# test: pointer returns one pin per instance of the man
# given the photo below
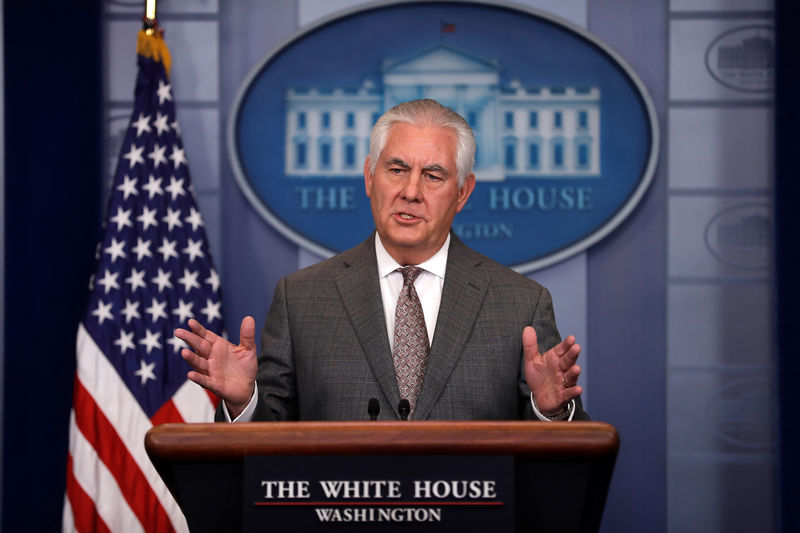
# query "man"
(411, 314)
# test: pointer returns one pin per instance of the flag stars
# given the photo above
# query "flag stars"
(194, 219)
(142, 125)
(153, 187)
(115, 249)
(175, 187)
(164, 92)
(136, 279)
(189, 280)
(147, 218)
(122, 219)
(184, 311)
(162, 280)
(131, 310)
(125, 342)
(167, 249)
(134, 155)
(177, 156)
(145, 371)
(109, 281)
(213, 280)
(176, 344)
(156, 310)
(151, 340)
(211, 310)
(128, 186)
(103, 311)
(161, 123)
(193, 249)
(172, 218)
(157, 155)
(142, 249)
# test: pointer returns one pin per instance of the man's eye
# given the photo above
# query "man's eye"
(396, 170)
(434, 177)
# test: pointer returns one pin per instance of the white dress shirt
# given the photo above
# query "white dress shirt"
(428, 284)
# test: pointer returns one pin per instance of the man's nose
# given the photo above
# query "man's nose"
(412, 189)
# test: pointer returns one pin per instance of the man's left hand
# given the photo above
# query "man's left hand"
(552, 376)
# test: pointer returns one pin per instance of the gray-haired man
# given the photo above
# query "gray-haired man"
(409, 315)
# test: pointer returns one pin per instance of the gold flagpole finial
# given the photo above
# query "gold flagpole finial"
(150, 40)
(150, 24)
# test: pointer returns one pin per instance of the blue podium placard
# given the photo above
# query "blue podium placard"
(379, 492)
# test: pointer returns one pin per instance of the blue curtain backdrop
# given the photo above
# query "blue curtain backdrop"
(53, 98)
(787, 286)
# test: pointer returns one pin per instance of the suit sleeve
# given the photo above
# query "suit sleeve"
(276, 378)
(544, 322)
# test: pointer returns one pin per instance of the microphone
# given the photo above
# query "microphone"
(404, 408)
(373, 408)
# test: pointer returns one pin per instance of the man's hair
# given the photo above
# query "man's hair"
(422, 113)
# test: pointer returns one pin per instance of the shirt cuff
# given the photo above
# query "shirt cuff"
(247, 414)
(544, 418)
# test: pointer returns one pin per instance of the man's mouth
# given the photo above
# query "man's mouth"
(407, 216)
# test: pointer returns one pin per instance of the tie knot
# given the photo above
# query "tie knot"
(410, 274)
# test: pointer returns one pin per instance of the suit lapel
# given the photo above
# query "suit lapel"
(462, 297)
(360, 292)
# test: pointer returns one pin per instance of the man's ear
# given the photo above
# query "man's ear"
(464, 191)
(367, 177)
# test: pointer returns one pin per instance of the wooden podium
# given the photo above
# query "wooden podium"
(562, 470)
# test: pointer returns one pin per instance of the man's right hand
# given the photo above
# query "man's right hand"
(227, 370)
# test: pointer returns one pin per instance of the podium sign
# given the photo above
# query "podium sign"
(561, 472)
(393, 493)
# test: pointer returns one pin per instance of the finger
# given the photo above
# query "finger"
(530, 343)
(563, 347)
(247, 334)
(195, 342)
(201, 331)
(196, 327)
(571, 393)
(570, 377)
(567, 360)
(200, 364)
(201, 379)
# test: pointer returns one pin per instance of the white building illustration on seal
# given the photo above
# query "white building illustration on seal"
(521, 132)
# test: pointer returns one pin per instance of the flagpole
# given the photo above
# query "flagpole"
(150, 24)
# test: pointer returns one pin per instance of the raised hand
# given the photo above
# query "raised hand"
(226, 369)
(552, 376)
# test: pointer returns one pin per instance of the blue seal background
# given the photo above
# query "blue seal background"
(535, 50)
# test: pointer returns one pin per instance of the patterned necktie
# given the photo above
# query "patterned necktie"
(410, 338)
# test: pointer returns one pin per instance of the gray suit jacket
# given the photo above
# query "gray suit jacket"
(325, 349)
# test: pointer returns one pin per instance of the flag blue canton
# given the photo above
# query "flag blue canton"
(154, 268)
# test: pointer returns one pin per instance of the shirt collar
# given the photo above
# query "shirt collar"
(436, 264)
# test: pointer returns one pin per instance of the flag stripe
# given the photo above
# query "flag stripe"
(110, 449)
(214, 399)
(86, 517)
(67, 520)
(128, 420)
(167, 413)
(95, 480)
(193, 404)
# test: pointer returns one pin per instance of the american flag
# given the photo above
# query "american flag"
(153, 273)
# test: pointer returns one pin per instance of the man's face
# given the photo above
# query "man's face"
(414, 191)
